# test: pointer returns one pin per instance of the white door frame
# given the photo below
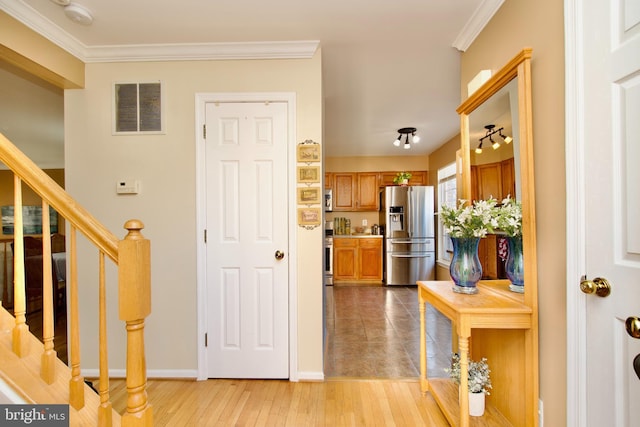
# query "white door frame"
(575, 216)
(201, 291)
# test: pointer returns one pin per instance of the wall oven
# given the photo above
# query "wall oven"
(328, 253)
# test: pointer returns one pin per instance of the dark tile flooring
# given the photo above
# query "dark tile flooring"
(374, 331)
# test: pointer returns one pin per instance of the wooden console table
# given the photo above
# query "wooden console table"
(501, 324)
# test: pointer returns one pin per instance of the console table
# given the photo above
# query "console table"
(494, 323)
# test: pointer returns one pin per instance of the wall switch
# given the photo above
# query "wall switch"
(364, 223)
(128, 186)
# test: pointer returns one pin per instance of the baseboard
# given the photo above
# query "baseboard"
(310, 376)
(151, 373)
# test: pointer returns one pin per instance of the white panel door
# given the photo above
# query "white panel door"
(247, 284)
(612, 158)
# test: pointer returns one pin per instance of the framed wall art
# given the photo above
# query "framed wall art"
(309, 195)
(309, 216)
(308, 174)
(309, 152)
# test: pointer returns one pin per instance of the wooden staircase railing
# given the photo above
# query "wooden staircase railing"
(132, 257)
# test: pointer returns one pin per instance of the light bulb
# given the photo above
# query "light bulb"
(397, 142)
(495, 145)
(479, 150)
(407, 145)
(415, 139)
(508, 139)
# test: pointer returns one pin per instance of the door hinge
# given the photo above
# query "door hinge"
(206, 340)
(204, 131)
(205, 235)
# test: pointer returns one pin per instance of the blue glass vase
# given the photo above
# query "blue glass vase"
(465, 267)
(514, 266)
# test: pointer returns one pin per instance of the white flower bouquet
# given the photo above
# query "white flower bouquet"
(509, 217)
(478, 378)
(476, 220)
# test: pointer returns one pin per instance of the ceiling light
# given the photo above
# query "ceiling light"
(489, 134)
(406, 132)
(78, 14)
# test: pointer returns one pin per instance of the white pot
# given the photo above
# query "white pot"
(476, 404)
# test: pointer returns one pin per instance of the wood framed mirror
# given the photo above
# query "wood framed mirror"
(501, 108)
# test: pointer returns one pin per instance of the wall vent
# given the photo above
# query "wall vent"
(138, 108)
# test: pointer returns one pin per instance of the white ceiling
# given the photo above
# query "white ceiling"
(386, 64)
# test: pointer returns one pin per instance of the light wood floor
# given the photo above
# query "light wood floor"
(344, 402)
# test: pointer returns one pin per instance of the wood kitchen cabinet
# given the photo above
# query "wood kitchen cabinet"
(353, 191)
(328, 180)
(495, 180)
(345, 254)
(357, 259)
(417, 178)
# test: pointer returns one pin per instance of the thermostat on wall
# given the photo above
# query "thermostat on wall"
(128, 186)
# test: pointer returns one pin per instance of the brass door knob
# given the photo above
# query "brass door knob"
(597, 286)
(279, 255)
(633, 326)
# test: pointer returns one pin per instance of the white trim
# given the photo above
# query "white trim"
(474, 26)
(575, 216)
(311, 376)
(302, 49)
(151, 373)
(200, 101)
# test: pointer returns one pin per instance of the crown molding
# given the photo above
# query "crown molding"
(203, 51)
(476, 23)
(156, 52)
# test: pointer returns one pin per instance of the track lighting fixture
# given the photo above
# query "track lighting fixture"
(406, 131)
(489, 134)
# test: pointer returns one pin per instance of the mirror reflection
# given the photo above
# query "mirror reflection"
(495, 165)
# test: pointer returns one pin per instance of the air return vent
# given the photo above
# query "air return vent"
(138, 108)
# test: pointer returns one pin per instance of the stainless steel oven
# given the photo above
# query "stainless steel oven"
(328, 260)
(328, 253)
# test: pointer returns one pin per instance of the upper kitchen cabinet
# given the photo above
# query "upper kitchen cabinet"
(355, 191)
(328, 180)
(417, 178)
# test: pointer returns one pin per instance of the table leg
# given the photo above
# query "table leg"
(424, 384)
(463, 348)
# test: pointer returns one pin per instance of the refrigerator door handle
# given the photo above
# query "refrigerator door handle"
(411, 256)
(394, 241)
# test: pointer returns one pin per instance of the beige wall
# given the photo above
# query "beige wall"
(539, 25)
(374, 164)
(165, 166)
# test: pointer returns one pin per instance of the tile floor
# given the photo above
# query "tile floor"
(373, 332)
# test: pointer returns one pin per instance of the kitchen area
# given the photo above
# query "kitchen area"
(378, 232)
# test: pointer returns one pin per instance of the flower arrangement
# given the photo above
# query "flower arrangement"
(509, 217)
(475, 220)
(478, 378)
(401, 176)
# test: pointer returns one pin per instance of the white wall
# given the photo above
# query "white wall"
(165, 165)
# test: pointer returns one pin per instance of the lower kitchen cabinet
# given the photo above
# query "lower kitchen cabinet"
(357, 259)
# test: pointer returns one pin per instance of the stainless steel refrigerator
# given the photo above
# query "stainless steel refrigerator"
(407, 213)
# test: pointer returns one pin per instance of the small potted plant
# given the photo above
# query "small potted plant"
(402, 178)
(479, 382)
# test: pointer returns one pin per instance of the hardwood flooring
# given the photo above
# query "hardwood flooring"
(283, 403)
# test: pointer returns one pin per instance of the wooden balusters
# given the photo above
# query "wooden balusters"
(49, 356)
(76, 383)
(134, 297)
(105, 412)
(20, 330)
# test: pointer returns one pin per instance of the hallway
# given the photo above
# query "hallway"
(373, 332)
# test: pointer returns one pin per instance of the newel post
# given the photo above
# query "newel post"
(134, 295)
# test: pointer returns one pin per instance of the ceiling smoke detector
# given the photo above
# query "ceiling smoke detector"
(78, 14)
